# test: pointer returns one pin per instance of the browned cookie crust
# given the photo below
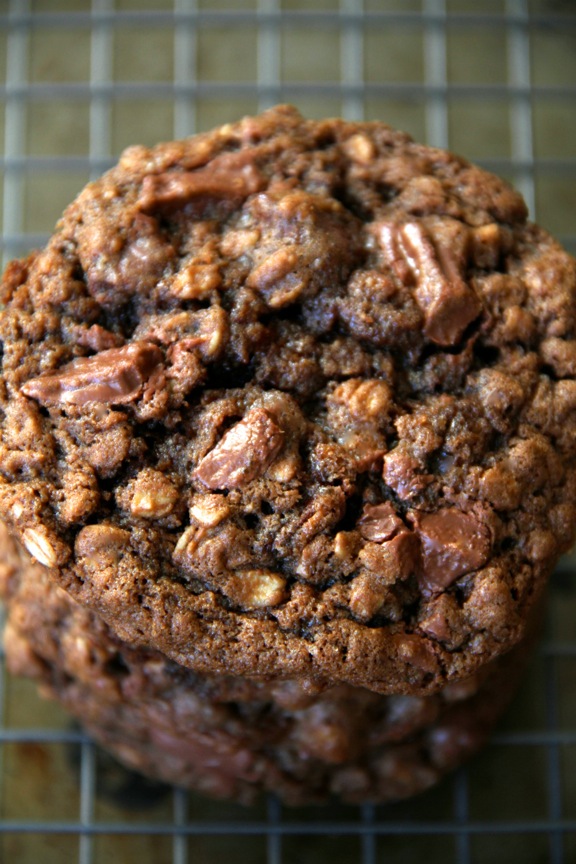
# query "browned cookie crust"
(295, 398)
(233, 737)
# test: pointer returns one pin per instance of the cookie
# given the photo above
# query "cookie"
(231, 737)
(295, 399)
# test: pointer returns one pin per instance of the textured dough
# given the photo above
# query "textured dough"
(295, 399)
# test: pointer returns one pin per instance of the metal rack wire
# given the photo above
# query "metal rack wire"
(496, 80)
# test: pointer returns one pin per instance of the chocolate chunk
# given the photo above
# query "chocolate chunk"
(243, 454)
(379, 522)
(448, 303)
(453, 543)
(226, 181)
(111, 377)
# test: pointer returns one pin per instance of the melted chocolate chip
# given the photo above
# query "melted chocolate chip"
(114, 376)
(448, 303)
(453, 543)
(243, 454)
(226, 181)
(379, 522)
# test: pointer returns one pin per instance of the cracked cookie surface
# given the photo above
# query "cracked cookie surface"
(295, 399)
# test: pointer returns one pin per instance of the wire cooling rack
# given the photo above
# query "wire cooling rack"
(494, 80)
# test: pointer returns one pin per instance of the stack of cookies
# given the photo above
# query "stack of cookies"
(287, 456)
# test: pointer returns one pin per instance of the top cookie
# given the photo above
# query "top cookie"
(295, 398)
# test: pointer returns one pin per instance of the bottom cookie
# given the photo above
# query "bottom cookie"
(234, 738)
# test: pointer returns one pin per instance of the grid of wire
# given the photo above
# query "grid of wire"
(82, 80)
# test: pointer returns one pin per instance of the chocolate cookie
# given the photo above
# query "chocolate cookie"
(295, 399)
(233, 737)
